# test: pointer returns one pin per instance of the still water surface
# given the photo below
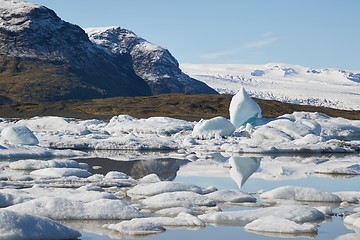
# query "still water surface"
(251, 173)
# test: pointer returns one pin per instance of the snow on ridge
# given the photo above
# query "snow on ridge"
(13, 14)
(297, 84)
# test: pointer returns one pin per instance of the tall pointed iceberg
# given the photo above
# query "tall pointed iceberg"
(243, 109)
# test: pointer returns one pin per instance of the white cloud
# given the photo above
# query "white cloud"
(267, 38)
(261, 43)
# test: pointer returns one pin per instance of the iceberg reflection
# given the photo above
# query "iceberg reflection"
(242, 168)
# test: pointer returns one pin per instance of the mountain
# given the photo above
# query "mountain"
(55, 60)
(288, 83)
(43, 58)
(151, 62)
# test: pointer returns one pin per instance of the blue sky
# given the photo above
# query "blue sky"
(312, 33)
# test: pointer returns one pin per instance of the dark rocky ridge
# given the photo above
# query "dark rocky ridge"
(43, 58)
(151, 62)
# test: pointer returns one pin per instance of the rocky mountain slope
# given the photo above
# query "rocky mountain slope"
(151, 62)
(43, 58)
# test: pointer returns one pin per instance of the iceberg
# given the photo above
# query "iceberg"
(163, 187)
(22, 226)
(300, 194)
(21, 135)
(178, 199)
(212, 127)
(64, 209)
(231, 196)
(296, 213)
(279, 225)
(243, 109)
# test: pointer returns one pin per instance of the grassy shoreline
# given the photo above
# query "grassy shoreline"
(188, 107)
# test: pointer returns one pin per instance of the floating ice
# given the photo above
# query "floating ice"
(154, 125)
(162, 187)
(21, 226)
(231, 196)
(141, 226)
(300, 194)
(9, 197)
(136, 226)
(279, 225)
(295, 213)
(61, 172)
(19, 135)
(178, 199)
(60, 208)
(32, 164)
(353, 169)
(353, 219)
(55, 125)
(216, 126)
(243, 109)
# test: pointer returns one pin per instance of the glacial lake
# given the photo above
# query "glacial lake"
(249, 173)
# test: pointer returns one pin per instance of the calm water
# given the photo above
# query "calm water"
(181, 170)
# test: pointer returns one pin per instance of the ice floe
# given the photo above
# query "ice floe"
(218, 126)
(163, 187)
(299, 194)
(231, 196)
(296, 213)
(18, 226)
(151, 225)
(178, 199)
(19, 135)
(279, 225)
(60, 208)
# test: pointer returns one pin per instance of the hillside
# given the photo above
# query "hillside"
(189, 107)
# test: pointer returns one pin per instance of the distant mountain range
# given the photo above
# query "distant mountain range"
(43, 58)
(283, 82)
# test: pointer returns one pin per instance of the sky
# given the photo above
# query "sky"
(312, 33)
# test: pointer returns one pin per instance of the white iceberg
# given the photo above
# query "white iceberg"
(279, 225)
(178, 199)
(22, 226)
(296, 213)
(300, 194)
(218, 126)
(231, 196)
(243, 109)
(19, 134)
(64, 209)
(163, 187)
(136, 226)
(61, 172)
(141, 226)
(10, 197)
(55, 125)
(154, 125)
(353, 219)
(33, 164)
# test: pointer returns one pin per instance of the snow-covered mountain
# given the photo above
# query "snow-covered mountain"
(151, 62)
(57, 60)
(283, 82)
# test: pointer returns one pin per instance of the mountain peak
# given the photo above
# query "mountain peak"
(17, 15)
(155, 64)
